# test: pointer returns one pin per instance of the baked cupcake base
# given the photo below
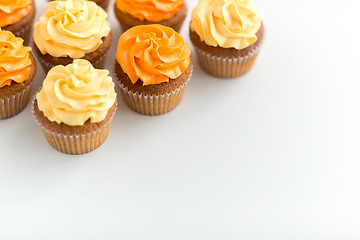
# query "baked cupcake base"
(74, 139)
(96, 58)
(127, 21)
(226, 62)
(153, 99)
(14, 98)
(23, 27)
(103, 3)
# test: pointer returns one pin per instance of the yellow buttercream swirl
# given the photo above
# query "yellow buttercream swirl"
(11, 11)
(151, 10)
(14, 59)
(153, 53)
(71, 28)
(77, 92)
(226, 23)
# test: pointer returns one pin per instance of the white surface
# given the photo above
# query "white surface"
(271, 155)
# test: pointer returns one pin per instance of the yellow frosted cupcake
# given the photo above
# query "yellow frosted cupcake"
(17, 71)
(130, 13)
(75, 107)
(102, 3)
(153, 67)
(227, 35)
(69, 30)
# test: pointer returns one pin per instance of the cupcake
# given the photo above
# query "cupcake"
(75, 107)
(227, 36)
(153, 67)
(17, 17)
(70, 30)
(17, 71)
(102, 3)
(131, 13)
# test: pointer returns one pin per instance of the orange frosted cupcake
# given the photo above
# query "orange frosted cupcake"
(227, 36)
(71, 30)
(153, 67)
(75, 107)
(17, 17)
(17, 71)
(131, 13)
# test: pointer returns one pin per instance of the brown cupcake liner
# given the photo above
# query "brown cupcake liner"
(99, 64)
(154, 104)
(227, 67)
(75, 143)
(14, 104)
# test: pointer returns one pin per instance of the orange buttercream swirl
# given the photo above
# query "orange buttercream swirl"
(14, 59)
(152, 53)
(151, 10)
(11, 11)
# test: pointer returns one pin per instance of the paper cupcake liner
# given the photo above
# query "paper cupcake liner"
(227, 67)
(75, 143)
(152, 104)
(99, 64)
(14, 104)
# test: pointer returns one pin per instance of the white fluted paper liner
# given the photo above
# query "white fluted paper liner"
(226, 67)
(75, 143)
(152, 104)
(14, 104)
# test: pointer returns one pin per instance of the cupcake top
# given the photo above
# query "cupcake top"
(71, 28)
(14, 59)
(151, 10)
(226, 23)
(152, 53)
(11, 11)
(75, 93)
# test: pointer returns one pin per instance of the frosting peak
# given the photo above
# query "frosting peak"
(226, 23)
(71, 28)
(14, 59)
(11, 11)
(151, 10)
(152, 53)
(75, 93)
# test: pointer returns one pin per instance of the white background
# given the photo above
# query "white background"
(271, 155)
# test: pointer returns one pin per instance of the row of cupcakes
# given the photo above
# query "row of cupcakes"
(227, 34)
(153, 65)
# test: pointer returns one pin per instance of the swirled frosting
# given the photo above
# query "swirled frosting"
(153, 53)
(226, 23)
(77, 92)
(151, 10)
(71, 28)
(14, 59)
(11, 11)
